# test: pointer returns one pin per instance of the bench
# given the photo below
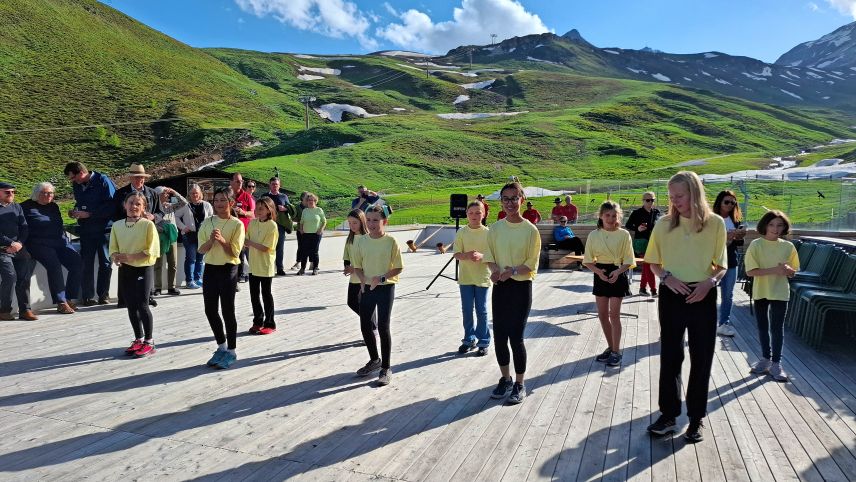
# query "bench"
(562, 258)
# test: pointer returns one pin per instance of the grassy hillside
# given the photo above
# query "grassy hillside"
(70, 63)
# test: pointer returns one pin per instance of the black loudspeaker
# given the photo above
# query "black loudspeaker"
(458, 205)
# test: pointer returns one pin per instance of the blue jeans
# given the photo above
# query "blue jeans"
(475, 297)
(54, 258)
(280, 247)
(727, 287)
(92, 245)
(193, 264)
(770, 315)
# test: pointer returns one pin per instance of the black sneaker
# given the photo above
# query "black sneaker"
(370, 367)
(603, 357)
(103, 300)
(156, 293)
(502, 389)
(152, 302)
(614, 359)
(663, 425)
(174, 291)
(482, 351)
(89, 302)
(518, 393)
(695, 431)
(643, 292)
(466, 347)
(384, 377)
(280, 272)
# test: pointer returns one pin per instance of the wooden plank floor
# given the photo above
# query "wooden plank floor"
(73, 407)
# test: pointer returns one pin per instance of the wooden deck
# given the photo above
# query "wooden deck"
(73, 407)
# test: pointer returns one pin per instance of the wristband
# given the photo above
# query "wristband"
(514, 271)
(383, 279)
(665, 276)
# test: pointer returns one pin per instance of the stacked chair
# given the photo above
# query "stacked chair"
(826, 285)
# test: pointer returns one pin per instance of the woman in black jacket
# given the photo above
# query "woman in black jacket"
(640, 224)
(727, 208)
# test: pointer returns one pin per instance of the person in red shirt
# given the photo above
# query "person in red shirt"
(531, 214)
(558, 211)
(245, 206)
(501, 215)
(570, 211)
(486, 206)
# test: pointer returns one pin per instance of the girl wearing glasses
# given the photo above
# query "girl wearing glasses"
(513, 250)
(727, 208)
(640, 223)
(687, 252)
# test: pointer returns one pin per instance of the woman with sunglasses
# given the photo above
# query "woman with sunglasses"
(514, 247)
(640, 223)
(727, 208)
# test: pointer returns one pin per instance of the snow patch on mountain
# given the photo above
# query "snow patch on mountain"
(721, 81)
(479, 85)
(661, 77)
(479, 115)
(333, 112)
(791, 94)
(753, 77)
(461, 98)
(636, 71)
(710, 55)
(318, 70)
(309, 77)
(613, 52)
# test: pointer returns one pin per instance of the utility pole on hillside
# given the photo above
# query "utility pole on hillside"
(305, 100)
(471, 59)
(493, 39)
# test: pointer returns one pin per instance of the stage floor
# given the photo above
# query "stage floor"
(73, 407)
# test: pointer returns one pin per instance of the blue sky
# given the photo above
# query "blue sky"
(763, 29)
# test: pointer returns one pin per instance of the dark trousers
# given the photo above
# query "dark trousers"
(244, 265)
(280, 247)
(574, 244)
(54, 258)
(379, 299)
(354, 302)
(770, 315)
(218, 293)
(92, 245)
(698, 320)
(15, 274)
(298, 252)
(311, 242)
(260, 285)
(511, 301)
(136, 283)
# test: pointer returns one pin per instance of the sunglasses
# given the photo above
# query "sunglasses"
(729, 202)
(649, 200)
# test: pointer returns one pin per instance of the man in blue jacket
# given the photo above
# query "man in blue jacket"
(16, 265)
(93, 210)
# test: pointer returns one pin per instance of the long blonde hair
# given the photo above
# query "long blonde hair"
(699, 209)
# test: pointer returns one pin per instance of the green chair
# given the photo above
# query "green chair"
(819, 304)
(843, 279)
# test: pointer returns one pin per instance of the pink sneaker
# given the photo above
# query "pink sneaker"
(267, 331)
(135, 345)
(145, 350)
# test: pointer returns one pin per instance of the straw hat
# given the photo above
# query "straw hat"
(138, 170)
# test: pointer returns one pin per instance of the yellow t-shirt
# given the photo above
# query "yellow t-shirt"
(263, 264)
(142, 236)
(232, 230)
(763, 254)
(311, 219)
(473, 273)
(376, 256)
(348, 256)
(689, 255)
(609, 247)
(514, 244)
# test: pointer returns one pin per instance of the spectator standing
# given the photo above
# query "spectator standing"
(312, 223)
(558, 211)
(48, 244)
(486, 207)
(94, 211)
(16, 264)
(727, 208)
(245, 207)
(172, 218)
(640, 224)
(284, 212)
(199, 211)
(570, 210)
(531, 214)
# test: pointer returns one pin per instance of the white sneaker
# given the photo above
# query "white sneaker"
(761, 366)
(726, 330)
(777, 372)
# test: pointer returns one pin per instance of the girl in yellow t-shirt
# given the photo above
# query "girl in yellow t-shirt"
(771, 260)
(514, 248)
(262, 236)
(135, 246)
(609, 254)
(376, 259)
(473, 280)
(221, 239)
(357, 227)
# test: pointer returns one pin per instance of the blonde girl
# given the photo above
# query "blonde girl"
(771, 260)
(376, 259)
(262, 237)
(473, 280)
(687, 252)
(357, 226)
(609, 254)
(134, 247)
(221, 239)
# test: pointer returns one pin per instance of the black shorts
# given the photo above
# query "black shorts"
(619, 289)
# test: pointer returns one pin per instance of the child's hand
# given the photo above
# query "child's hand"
(494, 277)
(613, 277)
(375, 282)
(476, 256)
(786, 270)
(348, 271)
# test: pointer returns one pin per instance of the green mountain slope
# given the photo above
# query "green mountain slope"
(70, 63)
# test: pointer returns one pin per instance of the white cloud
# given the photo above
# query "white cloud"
(473, 23)
(333, 18)
(390, 9)
(846, 7)
(813, 6)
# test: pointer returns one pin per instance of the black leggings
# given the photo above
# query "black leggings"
(309, 249)
(770, 315)
(262, 282)
(511, 301)
(136, 284)
(218, 288)
(574, 244)
(354, 301)
(381, 299)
